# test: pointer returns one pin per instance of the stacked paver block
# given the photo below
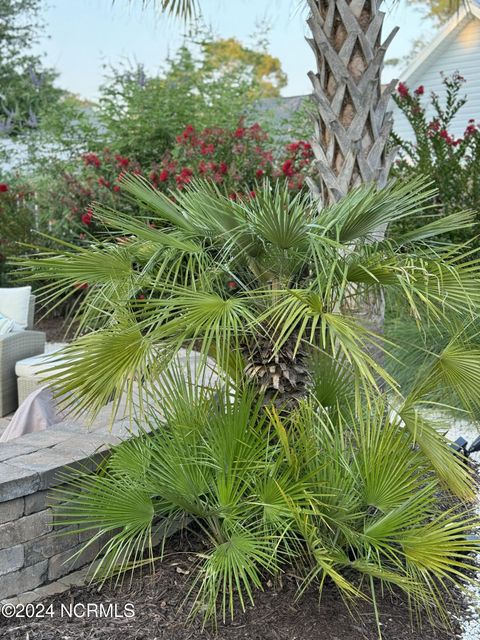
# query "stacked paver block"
(34, 550)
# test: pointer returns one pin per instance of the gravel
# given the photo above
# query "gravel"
(470, 621)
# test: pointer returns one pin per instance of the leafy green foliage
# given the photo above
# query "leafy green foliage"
(438, 10)
(16, 223)
(207, 85)
(451, 163)
(338, 493)
(260, 284)
(27, 86)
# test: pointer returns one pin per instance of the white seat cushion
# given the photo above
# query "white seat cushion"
(14, 304)
(36, 365)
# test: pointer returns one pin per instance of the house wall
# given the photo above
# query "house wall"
(460, 51)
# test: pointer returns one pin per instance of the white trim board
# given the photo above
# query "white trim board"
(460, 19)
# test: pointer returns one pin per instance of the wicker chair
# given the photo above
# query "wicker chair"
(15, 346)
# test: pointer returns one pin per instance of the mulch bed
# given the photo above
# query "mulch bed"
(157, 614)
(56, 328)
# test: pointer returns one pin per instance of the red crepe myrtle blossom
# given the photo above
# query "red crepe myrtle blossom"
(223, 168)
(293, 147)
(116, 188)
(259, 173)
(470, 130)
(103, 183)
(232, 285)
(187, 133)
(419, 91)
(122, 161)
(91, 159)
(141, 296)
(184, 177)
(402, 89)
(3, 187)
(288, 169)
(87, 217)
(446, 136)
(240, 132)
(207, 149)
(163, 176)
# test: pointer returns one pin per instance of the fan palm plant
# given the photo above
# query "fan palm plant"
(261, 286)
(334, 489)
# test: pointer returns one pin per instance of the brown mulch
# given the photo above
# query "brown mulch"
(56, 327)
(157, 599)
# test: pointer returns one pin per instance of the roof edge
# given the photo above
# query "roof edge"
(463, 16)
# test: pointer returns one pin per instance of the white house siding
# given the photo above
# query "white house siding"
(459, 51)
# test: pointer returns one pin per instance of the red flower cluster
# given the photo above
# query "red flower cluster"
(235, 159)
(403, 90)
(188, 133)
(447, 137)
(3, 187)
(87, 217)
(122, 161)
(287, 168)
(91, 159)
(471, 129)
(184, 177)
(298, 163)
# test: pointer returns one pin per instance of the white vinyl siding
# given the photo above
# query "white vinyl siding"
(459, 51)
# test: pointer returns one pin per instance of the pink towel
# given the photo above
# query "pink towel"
(36, 413)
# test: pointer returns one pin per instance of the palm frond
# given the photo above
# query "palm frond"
(366, 209)
(185, 9)
(450, 468)
(440, 226)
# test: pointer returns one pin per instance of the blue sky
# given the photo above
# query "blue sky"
(87, 34)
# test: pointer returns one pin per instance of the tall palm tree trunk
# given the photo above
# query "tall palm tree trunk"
(351, 118)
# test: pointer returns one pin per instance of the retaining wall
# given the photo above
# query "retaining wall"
(34, 549)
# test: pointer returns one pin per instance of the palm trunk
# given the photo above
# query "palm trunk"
(352, 124)
(351, 119)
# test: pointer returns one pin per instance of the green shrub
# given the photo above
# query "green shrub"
(16, 223)
(335, 490)
(235, 159)
(328, 463)
(258, 284)
(451, 163)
